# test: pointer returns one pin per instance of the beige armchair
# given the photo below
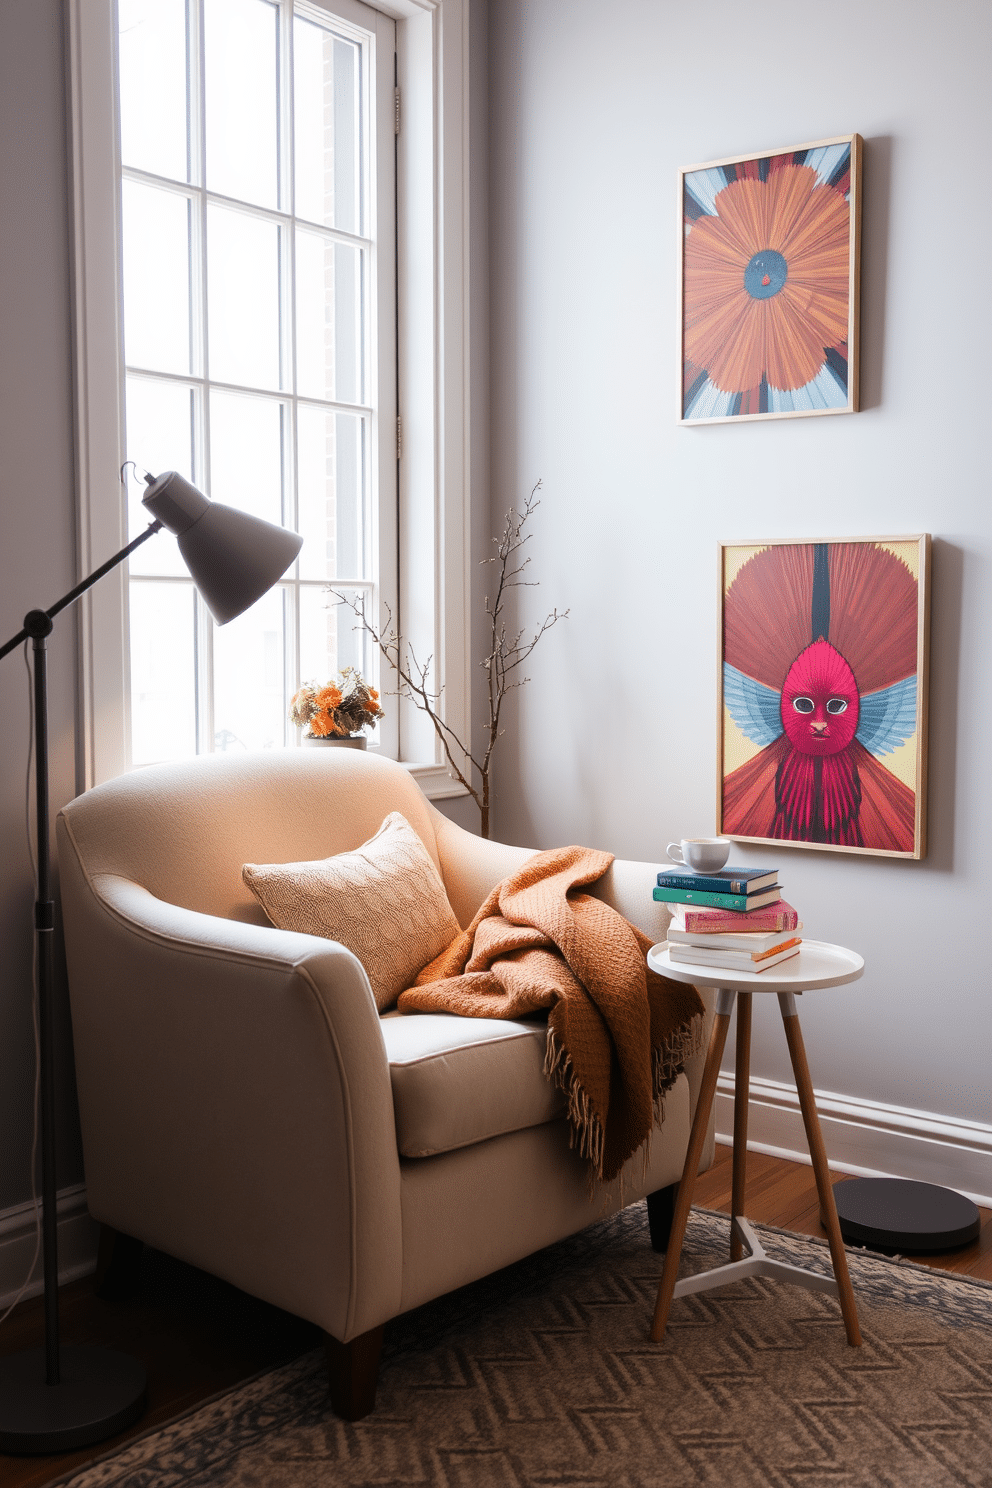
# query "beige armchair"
(245, 1108)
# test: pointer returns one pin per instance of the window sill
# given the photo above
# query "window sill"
(436, 781)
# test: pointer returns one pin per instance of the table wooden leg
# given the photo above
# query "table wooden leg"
(742, 1075)
(697, 1138)
(818, 1153)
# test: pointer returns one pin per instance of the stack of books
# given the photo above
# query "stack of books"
(735, 919)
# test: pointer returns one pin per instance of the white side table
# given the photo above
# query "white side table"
(817, 965)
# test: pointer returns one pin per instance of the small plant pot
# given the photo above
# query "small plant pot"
(348, 741)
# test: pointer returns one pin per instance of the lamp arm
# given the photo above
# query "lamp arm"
(81, 588)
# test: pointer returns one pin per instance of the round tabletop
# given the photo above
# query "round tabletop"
(818, 964)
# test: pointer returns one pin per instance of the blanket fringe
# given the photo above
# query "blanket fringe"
(667, 1063)
(669, 1060)
(585, 1130)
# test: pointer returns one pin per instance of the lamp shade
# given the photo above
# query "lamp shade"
(233, 558)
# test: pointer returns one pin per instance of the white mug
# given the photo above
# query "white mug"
(701, 854)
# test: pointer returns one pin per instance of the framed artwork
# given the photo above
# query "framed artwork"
(823, 694)
(768, 283)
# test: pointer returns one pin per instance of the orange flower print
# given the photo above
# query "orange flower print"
(766, 285)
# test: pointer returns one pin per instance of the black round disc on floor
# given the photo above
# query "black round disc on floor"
(100, 1393)
(900, 1214)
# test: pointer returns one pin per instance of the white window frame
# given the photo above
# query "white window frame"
(433, 360)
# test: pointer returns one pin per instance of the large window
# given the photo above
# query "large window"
(249, 289)
(254, 264)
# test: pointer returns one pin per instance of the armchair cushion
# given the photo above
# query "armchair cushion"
(384, 901)
(457, 1081)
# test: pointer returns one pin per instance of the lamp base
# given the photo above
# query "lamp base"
(901, 1214)
(101, 1392)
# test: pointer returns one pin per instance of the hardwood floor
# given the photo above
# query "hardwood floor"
(197, 1335)
(784, 1194)
(194, 1334)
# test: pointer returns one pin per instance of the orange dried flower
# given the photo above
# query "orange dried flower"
(329, 697)
(322, 725)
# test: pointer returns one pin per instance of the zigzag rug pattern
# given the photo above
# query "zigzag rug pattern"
(543, 1376)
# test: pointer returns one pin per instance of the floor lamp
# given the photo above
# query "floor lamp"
(55, 1398)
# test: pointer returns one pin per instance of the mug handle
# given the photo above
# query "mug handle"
(674, 851)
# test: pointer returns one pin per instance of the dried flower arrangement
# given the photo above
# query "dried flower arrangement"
(337, 709)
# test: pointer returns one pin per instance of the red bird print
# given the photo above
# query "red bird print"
(820, 653)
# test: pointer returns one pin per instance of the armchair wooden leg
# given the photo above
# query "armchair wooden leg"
(118, 1265)
(661, 1212)
(353, 1373)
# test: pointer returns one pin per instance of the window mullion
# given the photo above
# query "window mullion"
(204, 676)
(290, 465)
(204, 668)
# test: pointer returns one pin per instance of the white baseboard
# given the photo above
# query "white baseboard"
(865, 1137)
(78, 1240)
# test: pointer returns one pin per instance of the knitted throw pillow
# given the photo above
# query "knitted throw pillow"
(385, 901)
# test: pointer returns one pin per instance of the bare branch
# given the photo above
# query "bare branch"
(504, 655)
(413, 684)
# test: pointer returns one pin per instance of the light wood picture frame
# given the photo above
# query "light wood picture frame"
(769, 277)
(822, 694)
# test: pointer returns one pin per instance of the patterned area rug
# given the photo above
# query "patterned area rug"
(543, 1375)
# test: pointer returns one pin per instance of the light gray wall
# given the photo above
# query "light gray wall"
(593, 110)
(37, 506)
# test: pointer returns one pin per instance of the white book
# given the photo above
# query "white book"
(755, 941)
(728, 960)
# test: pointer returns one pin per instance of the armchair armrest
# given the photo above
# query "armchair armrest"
(472, 866)
(235, 1100)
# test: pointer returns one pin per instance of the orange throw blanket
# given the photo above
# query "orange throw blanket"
(618, 1034)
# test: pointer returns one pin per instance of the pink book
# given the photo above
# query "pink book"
(700, 921)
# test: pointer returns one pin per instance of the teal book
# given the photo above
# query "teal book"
(712, 900)
(724, 881)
